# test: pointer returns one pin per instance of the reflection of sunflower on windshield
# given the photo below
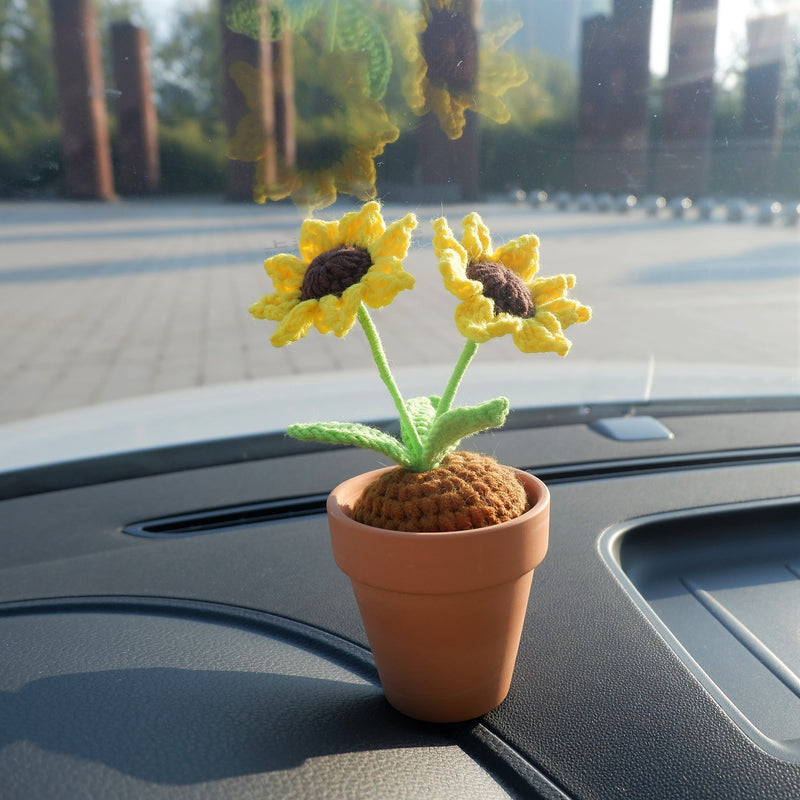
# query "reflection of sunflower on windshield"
(248, 142)
(342, 264)
(500, 292)
(450, 73)
(339, 130)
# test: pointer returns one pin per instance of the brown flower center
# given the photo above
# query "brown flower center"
(505, 287)
(334, 271)
(450, 47)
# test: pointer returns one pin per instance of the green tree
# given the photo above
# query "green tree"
(111, 11)
(188, 68)
(29, 149)
(187, 77)
(27, 77)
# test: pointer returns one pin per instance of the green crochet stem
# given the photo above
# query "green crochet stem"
(467, 354)
(334, 19)
(429, 427)
(381, 362)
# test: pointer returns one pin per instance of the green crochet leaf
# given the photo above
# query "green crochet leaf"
(359, 31)
(244, 16)
(355, 30)
(454, 425)
(353, 434)
(301, 12)
(421, 411)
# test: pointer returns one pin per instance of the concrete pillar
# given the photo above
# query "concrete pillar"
(81, 98)
(285, 112)
(683, 159)
(613, 108)
(137, 135)
(449, 165)
(257, 52)
(452, 165)
(768, 41)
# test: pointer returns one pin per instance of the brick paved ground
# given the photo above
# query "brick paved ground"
(106, 301)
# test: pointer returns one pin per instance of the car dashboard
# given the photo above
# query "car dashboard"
(173, 623)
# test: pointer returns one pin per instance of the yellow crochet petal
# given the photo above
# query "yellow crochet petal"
(449, 110)
(276, 189)
(386, 277)
(274, 306)
(248, 81)
(356, 174)
(497, 73)
(453, 262)
(503, 324)
(314, 190)
(338, 314)
(380, 287)
(455, 277)
(361, 228)
(543, 290)
(567, 310)
(520, 256)
(287, 272)
(318, 236)
(415, 84)
(477, 240)
(472, 316)
(476, 320)
(444, 239)
(395, 240)
(548, 320)
(550, 294)
(247, 143)
(492, 107)
(415, 81)
(408, 27)
(541, 334)
(296, 324)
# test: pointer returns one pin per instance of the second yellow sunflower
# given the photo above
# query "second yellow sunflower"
(499, 291)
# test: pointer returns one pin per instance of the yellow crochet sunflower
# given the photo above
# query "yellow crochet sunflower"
(340, 130)
(449, 72)
(344, 263)
(499, 290)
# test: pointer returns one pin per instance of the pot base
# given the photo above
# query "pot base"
(445, 658)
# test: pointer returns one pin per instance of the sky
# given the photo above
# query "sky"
(730, 23)
(731, 27)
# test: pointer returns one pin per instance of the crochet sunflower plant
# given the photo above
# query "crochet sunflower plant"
(346, 266)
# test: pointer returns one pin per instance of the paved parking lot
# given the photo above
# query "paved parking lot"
(106, 301)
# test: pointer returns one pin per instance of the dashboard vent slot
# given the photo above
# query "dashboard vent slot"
(216, 520)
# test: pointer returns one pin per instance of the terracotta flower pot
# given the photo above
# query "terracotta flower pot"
(443, 612)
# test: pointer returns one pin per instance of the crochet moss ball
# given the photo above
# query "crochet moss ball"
(466, 491)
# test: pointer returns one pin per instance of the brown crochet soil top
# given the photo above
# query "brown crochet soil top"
(466, 491)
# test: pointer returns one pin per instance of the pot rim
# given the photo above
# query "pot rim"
(444, 562)
(536, 489)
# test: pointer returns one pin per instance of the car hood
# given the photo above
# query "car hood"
(269, 405)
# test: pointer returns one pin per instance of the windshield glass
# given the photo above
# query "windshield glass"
(153, 154)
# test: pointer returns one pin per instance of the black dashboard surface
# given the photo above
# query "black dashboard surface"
(101, 629)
